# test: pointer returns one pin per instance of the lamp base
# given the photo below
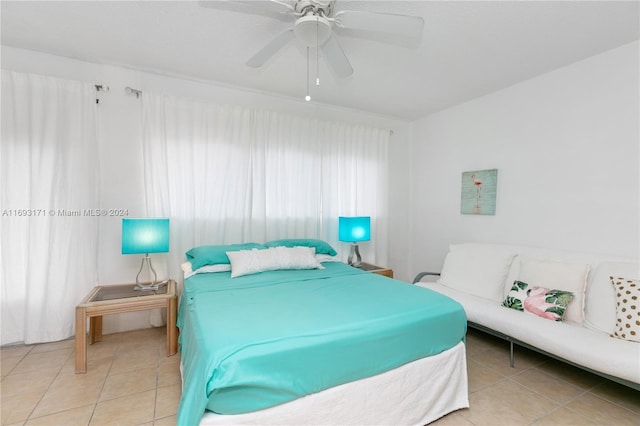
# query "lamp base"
(150, 286)
(354, 251)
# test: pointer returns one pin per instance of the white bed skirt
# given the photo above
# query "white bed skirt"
(413, 394)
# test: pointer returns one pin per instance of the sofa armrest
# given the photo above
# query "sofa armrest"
(424, 274)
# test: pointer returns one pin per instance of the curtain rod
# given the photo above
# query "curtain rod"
(138, 93)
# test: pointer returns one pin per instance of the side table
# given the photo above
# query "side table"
(116, 299)
(387, 272)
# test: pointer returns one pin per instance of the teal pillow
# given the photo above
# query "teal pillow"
(321, 247)
(214, 255)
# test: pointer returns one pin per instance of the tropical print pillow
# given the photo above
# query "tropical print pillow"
(541, 301)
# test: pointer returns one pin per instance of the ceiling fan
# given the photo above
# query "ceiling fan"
(314, 22)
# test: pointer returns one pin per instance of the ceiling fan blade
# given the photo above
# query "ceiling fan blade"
(270, 49)
(270, 8)
(336, 58)
(402, 25)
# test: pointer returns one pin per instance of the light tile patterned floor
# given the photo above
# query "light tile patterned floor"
(130, 381)
(538, 391)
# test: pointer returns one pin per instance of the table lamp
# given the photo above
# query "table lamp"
(352, 230)
(144, 236)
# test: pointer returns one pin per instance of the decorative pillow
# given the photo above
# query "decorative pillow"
(188, 272)
(478, 269)
(627, 309)
(600, 296)
(213, 255)
(246, 262)
(540, 301)
(321, 247)
(571, 277)
(516, 296)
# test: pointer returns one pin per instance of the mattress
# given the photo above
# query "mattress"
(416, 393)
(254, 342)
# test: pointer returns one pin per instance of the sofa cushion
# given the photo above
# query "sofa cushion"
(600, 297)
(558, 275)
(627, 309)
(478, 269)
(540, 301)
(567, 340)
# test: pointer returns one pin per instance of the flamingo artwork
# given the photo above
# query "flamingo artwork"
(478, 192)
(478, 184)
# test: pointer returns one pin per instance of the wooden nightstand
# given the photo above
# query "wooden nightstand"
(387, 272)
(116, 299)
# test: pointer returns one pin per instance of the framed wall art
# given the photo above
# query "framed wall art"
(478, 194)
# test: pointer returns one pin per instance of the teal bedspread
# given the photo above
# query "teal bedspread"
(257, 341)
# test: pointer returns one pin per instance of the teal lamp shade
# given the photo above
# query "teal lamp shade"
(354, 229)
(143, 236)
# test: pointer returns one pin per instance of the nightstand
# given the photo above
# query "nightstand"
(116, 299)
(387, 272)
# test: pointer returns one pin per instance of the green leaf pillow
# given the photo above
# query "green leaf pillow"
(540, 301)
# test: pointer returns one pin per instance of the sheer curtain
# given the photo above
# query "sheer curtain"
(226, 174)
(48, 249)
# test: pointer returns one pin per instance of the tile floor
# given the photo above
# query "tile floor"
(130, 381)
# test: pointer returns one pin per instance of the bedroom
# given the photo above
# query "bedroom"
(573, 94)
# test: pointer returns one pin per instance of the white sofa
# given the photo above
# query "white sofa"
(480, 276)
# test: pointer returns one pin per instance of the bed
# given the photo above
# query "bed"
(318, 346)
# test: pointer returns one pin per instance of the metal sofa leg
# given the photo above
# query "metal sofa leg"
(511, 360)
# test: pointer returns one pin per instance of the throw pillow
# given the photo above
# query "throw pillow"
(516, 296)
(246, 262)
(571, 277)
(600, 296)
(627, 309)
(540, 301)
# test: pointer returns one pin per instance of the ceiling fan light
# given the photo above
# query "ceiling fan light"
(312, 30)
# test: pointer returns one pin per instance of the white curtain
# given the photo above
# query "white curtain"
(227, 174)
(48, 166)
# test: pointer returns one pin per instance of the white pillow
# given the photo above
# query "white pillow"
(221, 267)
(245, 262)
(557, 275)
(186, 267)
(478, 269)
(327, 258)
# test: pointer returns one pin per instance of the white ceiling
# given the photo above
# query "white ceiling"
(468, 48)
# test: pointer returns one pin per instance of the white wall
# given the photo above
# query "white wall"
(121, 167)
(565, 145)
(566, 148)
